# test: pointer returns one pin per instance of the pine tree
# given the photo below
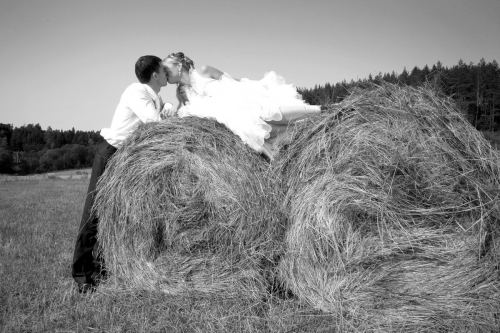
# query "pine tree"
(424, 74)
(404, 77)
(4, 144)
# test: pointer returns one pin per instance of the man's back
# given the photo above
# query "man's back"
(137, 104)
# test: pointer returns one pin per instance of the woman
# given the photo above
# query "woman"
(256, 111)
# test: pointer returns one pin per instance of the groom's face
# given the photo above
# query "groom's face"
(162, 76)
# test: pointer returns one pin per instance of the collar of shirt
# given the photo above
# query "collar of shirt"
(151, 92)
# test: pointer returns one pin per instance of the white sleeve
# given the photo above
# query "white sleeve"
(143, 106)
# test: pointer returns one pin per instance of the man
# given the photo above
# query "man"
(139, 103)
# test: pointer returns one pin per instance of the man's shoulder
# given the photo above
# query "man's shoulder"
(136, 86)
(136, 90)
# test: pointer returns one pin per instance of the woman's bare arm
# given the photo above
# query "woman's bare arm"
(211, 72)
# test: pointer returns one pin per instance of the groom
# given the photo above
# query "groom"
(139, 103)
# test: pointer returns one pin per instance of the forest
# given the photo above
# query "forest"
(475, 88)
(30, 149)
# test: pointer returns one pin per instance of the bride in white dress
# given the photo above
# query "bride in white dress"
(256, 111)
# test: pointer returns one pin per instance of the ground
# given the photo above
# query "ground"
(39, 218)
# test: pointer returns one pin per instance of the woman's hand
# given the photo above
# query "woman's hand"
(167, 110)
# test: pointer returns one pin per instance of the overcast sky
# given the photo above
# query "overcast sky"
(65, 63)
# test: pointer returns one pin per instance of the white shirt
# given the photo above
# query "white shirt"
(137, 105)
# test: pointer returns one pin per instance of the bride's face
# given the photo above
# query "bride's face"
(172, 72)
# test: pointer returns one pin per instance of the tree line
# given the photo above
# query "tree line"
(474, 87)
(30, 149)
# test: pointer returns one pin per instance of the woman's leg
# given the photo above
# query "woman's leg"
(277, 129)
(291, 114)
(268, 150)
(294, 113)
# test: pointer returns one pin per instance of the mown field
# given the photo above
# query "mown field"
(38, 224)
(65, 174)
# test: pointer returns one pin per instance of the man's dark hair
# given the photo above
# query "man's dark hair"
(146, 66)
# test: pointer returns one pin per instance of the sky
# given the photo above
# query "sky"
(65, 63)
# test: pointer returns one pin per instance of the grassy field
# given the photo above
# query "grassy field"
(38, 225)
(65, 174)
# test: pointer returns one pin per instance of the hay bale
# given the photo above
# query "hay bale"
(185, 206)
(51, 176)
(394, 205)
(83, 174)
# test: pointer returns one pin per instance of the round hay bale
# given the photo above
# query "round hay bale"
(394, 205)
(184, 206)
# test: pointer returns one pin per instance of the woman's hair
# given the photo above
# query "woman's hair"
(180, 58)
(181, 94)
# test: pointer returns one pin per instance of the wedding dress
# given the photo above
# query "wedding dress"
(243, 106)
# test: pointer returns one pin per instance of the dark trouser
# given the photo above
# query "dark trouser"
(84, 264)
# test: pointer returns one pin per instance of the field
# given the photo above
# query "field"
(65, 174)
(383, 213)
(38, 225)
